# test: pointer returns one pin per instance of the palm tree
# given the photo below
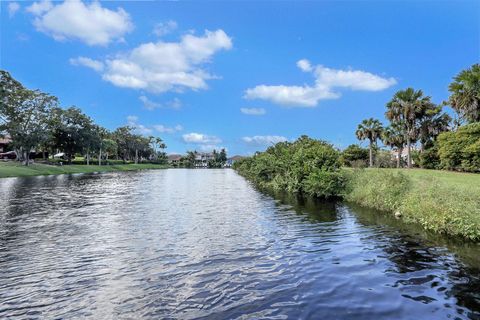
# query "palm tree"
(370, 129)
(465, 94)
(406, 108)
(431, 124)
(395, 137)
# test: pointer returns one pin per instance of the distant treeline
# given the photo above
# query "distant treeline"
(34, 120)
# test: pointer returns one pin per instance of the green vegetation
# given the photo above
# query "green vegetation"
(36, 124)
(15, 169)
(440, 201)
(305, 166)
(460, 150)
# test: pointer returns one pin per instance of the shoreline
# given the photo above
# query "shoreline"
(17, 170)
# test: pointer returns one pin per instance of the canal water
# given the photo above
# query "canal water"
(194, 244)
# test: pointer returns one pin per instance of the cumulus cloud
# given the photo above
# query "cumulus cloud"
(87, 62)
(132, 121)
(326, 80)
(163, 28)
(164, 129)
(152, 105)
(167, 66)
(72, 19)
(253, 111)
(264, 140)
(200, 138)
(13, 7)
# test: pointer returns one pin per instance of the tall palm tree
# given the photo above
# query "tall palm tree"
(431, 124)
(394, 136)
(465, 94)
(406, 108)
(370, 129)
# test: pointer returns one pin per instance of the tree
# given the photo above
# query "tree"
(406, 108)
(465, 94)
(394, 136)
(74, 132)
(354, 155)
(370, 129)
(24, 115)
(432, 122)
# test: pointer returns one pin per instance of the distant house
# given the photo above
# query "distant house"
(3, 143)
(403, 155)
(232, 160)
(202, 159)
(174, 159)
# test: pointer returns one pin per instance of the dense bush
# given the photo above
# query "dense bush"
(429, 158)
(306, 166)
(354, 156)
(460, 150)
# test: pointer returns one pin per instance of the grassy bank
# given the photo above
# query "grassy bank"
(14, 169)
(441, 201)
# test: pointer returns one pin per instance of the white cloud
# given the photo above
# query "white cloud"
(38, 8)
(72, 19)
(200, 138)
(167, 66)
(132, 121)
(264, 140)
(164, 129)
(13, 7)
(164, 28)
(304, 65)
(175, 103)
(87, 62)
(253, 111)
(326, 80)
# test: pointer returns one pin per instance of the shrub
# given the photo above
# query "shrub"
(354, 156)
(305, 166)
(460, 150)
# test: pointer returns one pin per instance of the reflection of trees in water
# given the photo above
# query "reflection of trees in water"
(411, 249)
(314, 209)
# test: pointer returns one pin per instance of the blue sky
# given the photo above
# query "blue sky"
(239, 75)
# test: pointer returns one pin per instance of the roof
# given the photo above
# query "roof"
(173, 157)
(5, 140)
(235, 158)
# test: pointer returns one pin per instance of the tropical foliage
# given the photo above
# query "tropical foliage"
(371, 130)
(306, 166)
(465, 94)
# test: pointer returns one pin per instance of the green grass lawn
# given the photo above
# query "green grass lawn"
(470, 182)
(15, 169)
(441, 201)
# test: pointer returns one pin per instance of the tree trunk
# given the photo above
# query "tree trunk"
(27, 157)
(88, 158)
(100, 157)
(371, 154)
(409, 157)
(399, 156)
(136, 156)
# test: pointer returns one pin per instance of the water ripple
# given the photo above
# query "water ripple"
(204, 244)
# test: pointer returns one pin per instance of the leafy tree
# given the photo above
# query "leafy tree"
(406, 108)
(460, 150)
(370, 129)
(306, 166)
(465, 94)
(354, 155)
(74, 132)
(24, 115)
